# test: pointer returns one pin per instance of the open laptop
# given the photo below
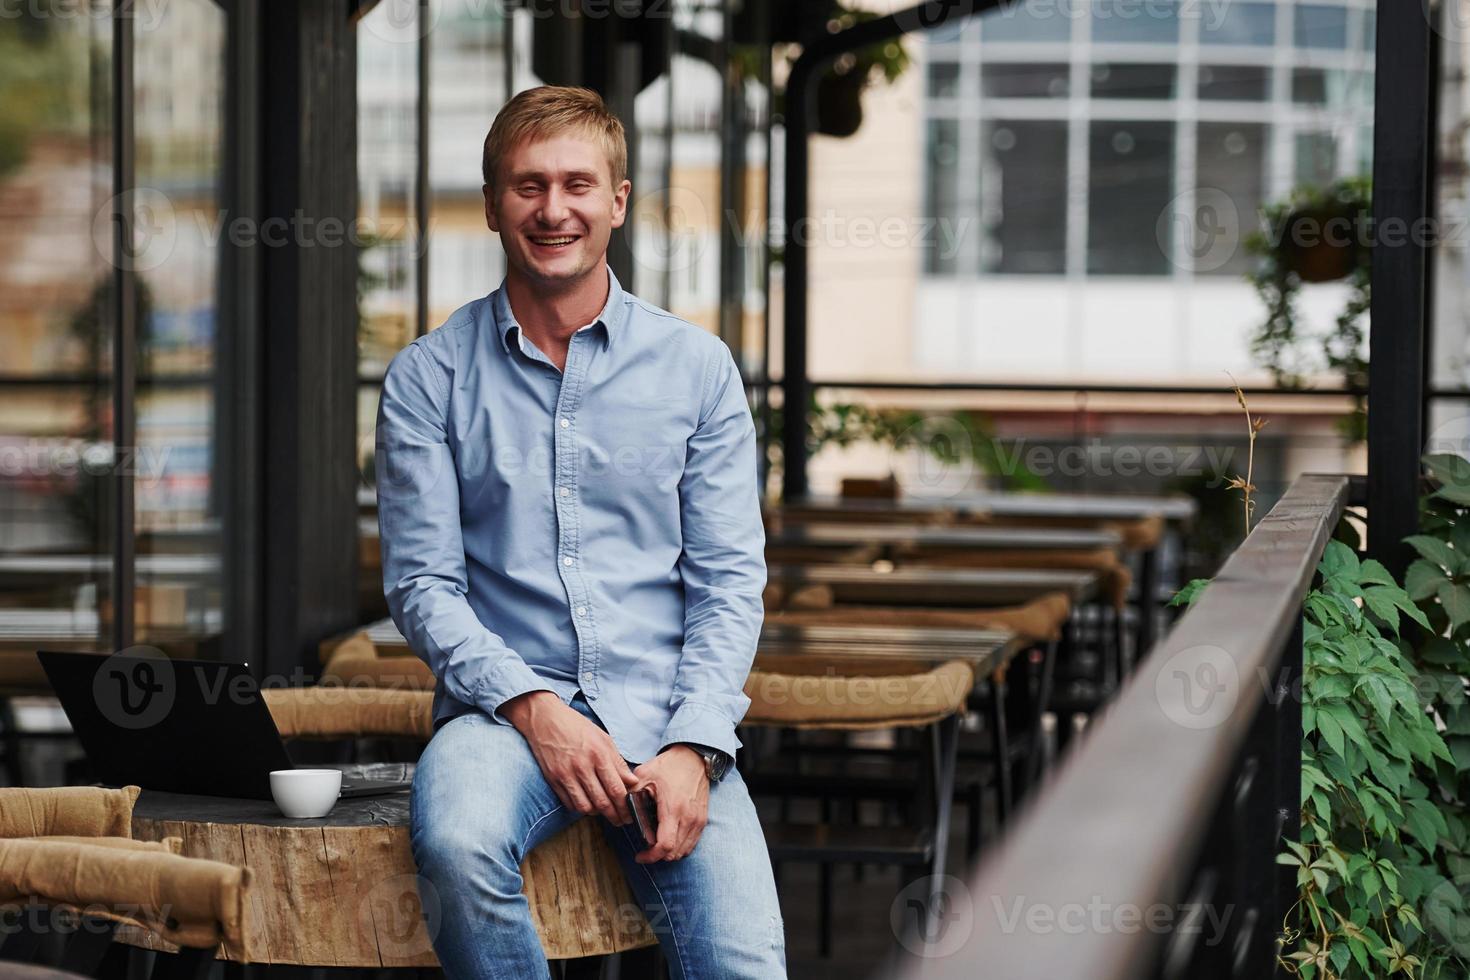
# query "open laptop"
(180, 726)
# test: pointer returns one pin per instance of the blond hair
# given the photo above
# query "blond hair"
(551, 110)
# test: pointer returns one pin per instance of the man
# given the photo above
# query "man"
(572, 541)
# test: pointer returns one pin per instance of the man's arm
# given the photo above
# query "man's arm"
(425, 582)
(724, 570)
(723, 566)
(424, 576)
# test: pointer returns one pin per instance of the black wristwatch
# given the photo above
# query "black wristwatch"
(716, 763)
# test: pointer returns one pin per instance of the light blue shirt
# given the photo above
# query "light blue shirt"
(596, 528)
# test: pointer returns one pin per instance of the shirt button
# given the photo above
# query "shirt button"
(581, 610)
(566, 561)
(565, 423)
(566, 491)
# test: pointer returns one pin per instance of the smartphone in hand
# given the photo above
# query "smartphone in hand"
(645, 815)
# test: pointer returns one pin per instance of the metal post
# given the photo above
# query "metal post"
(1403, 143)
(124, 334)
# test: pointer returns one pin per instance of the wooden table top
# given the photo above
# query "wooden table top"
(916, 585)
(981, 649)
(389, 809)
(817, 534)
(1102, 506)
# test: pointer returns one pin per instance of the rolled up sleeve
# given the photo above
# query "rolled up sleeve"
(722, 566)
(424, 578)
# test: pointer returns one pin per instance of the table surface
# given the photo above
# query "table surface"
(923, 585)
(982, 649)
(1102, 506)
(987, 538)
(389, 809)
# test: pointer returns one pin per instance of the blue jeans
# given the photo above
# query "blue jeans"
(480, 803)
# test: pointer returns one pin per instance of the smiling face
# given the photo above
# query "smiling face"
(554, 205)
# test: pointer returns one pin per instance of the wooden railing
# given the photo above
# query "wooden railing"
(1152, 851)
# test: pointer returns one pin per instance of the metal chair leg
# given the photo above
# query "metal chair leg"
(13, 766)
(1000, 747)
(88, 945)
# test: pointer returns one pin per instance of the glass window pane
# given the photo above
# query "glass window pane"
(1321, 26)
(1234, 83)
(179, 85)
(1029, 21)
(387, 157)
(56, 320)
(1238, 23)
(1135, 21)
(1331, 88)
(1125, 81)
(467, 86)
(1230, 189)
(942, 153)
(1024, 163)
(944, 79)
(1006, 80)
(1131, 185)
(1316, 158)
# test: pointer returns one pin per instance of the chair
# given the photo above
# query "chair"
(849, 696)
(1042, 623)
(69, 851)
(356, 660)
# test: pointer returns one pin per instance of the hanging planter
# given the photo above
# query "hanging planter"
(840, 103)
(1317, 235)
(1322, 243)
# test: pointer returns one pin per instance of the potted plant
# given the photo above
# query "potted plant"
(1315, 235)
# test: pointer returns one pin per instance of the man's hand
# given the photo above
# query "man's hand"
(577, 758)
(679, 784)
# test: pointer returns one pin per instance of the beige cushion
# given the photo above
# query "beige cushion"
(187, 901)
(349, 712)
(169, 845)
(355, 660)
(843, 698)
(84, 811)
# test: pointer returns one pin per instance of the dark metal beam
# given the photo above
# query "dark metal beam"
(308, 142)
(125, 330)
(800, 119)
(1403, 145)
(241, 409)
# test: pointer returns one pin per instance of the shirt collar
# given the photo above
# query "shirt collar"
(613, 316)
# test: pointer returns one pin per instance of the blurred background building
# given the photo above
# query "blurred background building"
(1032, 222)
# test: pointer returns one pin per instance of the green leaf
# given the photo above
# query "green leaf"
(1187, 595)
(1422, 579)
(1373, 573)
(1453, 473)
(1435, 550)
(1339, 560)
(1456, 601)
(1331, 731)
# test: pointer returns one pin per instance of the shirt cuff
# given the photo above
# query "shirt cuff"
(510, 679)
(701, 725)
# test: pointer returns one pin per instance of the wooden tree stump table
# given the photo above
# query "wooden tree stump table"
(342, 890)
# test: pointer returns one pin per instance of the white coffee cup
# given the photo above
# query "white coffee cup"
(304, 793)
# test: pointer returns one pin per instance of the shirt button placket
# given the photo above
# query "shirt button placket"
(568, 527)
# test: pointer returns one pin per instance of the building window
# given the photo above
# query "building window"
(1130, 186)
(1023, 165)
(1321, 26)
(1029, 21)
(1020, 80)
(1234, 83)
(1230, 188)
(1126, 81)
(1251, 24)
(1135, 22)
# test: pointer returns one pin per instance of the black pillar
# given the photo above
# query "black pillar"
(1403, 148)
(307, 153)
